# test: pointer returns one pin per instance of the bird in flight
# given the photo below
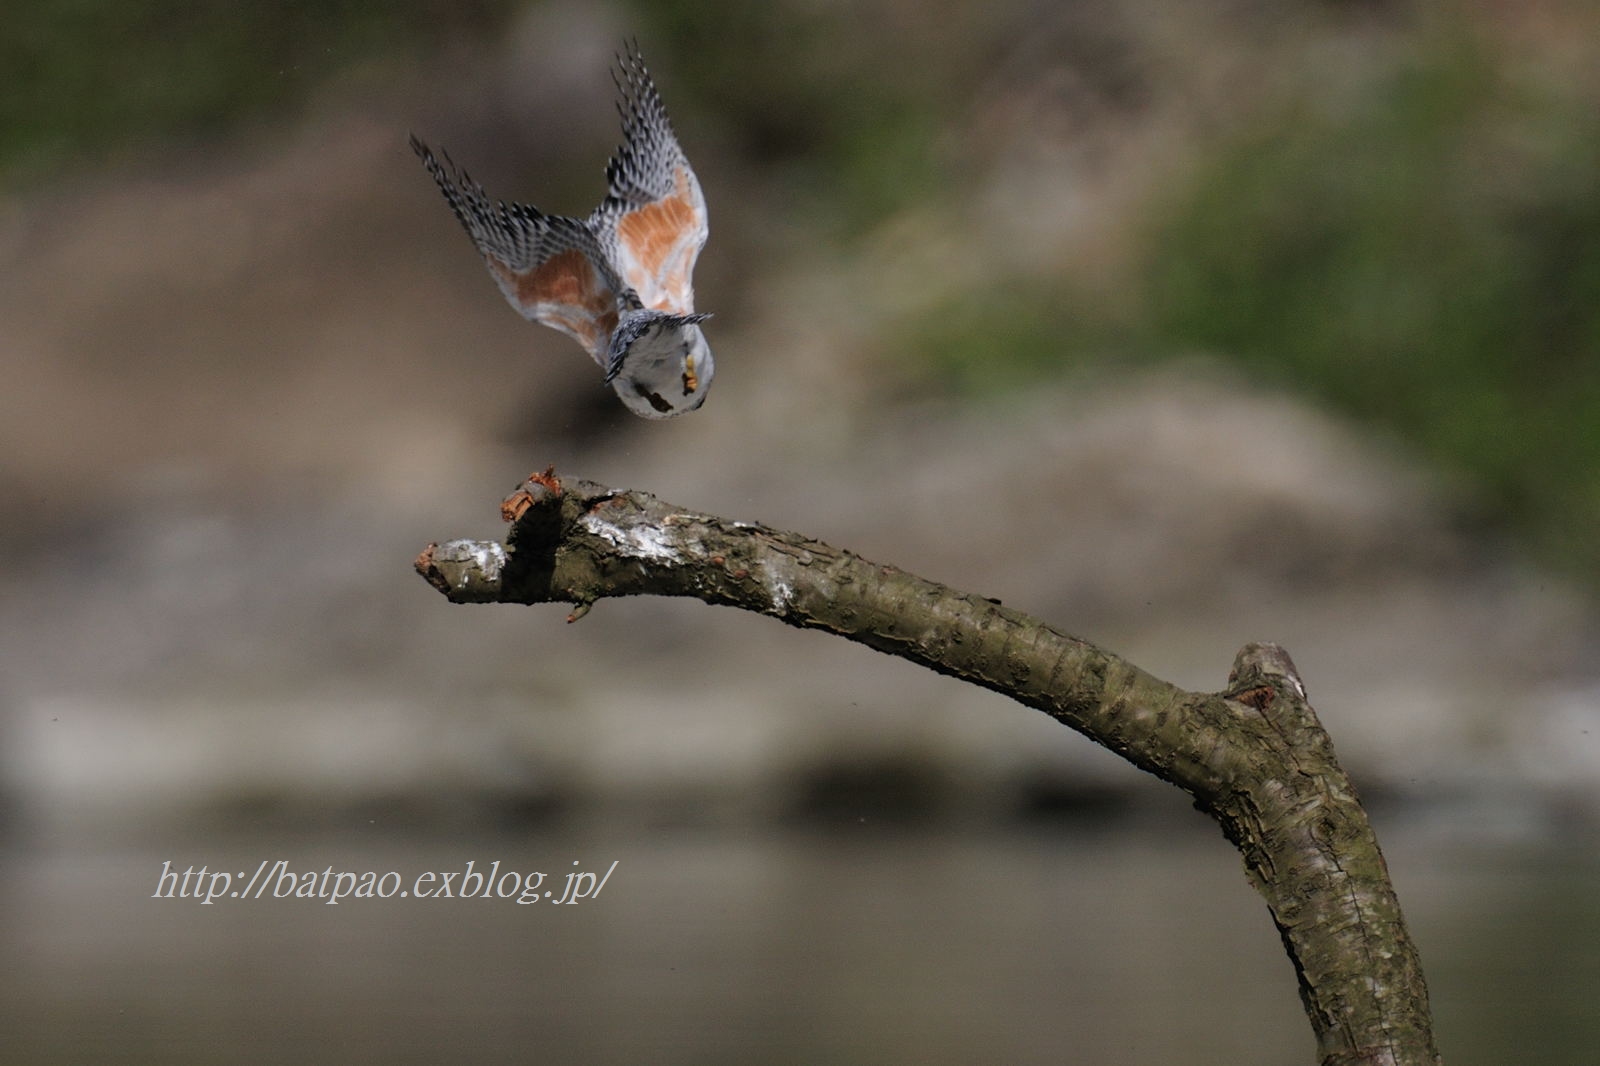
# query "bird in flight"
(619, 282)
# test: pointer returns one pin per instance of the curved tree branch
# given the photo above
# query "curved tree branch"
(1253, 756)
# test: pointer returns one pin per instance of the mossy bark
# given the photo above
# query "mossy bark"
(1252, 756)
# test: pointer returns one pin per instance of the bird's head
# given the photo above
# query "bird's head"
(660, 364)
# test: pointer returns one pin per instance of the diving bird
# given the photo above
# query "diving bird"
(620, 282)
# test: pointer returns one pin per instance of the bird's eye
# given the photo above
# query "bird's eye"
(690, 381)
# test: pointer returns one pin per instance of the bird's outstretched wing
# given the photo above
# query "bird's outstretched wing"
(652, 223)
(550, 267)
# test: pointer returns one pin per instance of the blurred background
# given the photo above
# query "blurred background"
(1176, 325)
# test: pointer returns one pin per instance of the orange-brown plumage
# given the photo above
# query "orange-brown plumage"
(620, 281)
(661, 238)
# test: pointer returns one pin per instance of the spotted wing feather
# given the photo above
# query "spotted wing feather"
(652, 223)
(551, 268)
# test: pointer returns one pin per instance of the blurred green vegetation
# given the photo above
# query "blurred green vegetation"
(1430, 262)
(842, 102)
(86, 78)
(1426, 259)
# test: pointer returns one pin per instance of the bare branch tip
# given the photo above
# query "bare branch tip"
(1260, 665)
(428, 568)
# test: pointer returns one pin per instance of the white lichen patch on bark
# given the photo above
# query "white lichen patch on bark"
(639, 541)
(782, 594)
(488, 556)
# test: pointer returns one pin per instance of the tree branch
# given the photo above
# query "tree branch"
(1254, 756)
